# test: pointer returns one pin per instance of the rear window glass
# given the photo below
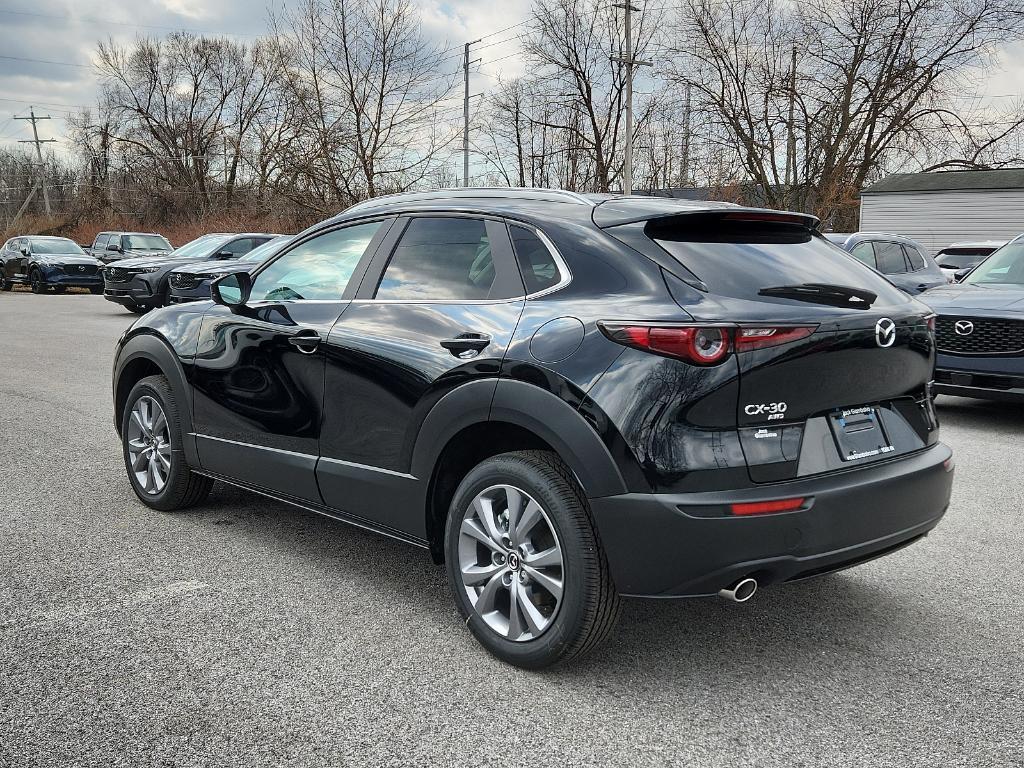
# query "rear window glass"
(535, 260)
(740, 258)
(916, 259)
(959, 260)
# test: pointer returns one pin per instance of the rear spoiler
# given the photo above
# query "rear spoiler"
(629, 210)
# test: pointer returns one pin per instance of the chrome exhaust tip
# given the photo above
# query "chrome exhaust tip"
(741, 591)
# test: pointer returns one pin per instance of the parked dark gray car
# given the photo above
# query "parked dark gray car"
(899, 258)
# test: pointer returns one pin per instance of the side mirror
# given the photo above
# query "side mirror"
(232, 290)
(114, 247)
(24, 251)
(224, 255)
(959, 275)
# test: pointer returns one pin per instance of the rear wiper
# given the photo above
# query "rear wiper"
(823, 293)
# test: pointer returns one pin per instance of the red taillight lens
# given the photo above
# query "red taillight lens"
(767, 507)
(769, 336)
(702, 344)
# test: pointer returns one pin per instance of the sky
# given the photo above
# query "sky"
(65, 33)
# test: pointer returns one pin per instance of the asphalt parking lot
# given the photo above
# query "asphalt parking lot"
(250, 633)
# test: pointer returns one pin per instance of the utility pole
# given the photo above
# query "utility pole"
(791, 133)
(39, 155)
(465, 114)
(629, 62)
(684, 173)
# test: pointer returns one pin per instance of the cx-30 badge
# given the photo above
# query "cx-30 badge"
(963, 327)
(885, 332)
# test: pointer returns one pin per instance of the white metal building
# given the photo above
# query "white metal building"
(940, 208)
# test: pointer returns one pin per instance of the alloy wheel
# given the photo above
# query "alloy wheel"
(510, 561)
(149, 445)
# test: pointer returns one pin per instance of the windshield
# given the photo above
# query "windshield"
(57, 245)
(144, 243)
(1004, 267)
(269, 248)
(201, 246)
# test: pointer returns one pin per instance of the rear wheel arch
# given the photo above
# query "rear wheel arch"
(472, 427)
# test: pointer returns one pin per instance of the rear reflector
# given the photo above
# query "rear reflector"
(767, 507)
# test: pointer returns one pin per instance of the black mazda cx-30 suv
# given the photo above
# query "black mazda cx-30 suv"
(565, 399)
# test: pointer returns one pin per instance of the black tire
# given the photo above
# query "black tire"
(589, 603)
(59, 289)
(184, 488)
(35, 279)
(96, 290)
(5, 283)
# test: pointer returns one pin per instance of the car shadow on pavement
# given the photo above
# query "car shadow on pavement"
(784, 628)
(983, 414)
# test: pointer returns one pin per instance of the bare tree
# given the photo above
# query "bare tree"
(370, 88)
(875, 84)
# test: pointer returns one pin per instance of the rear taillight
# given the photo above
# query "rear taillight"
(701, 344)
(769, 336)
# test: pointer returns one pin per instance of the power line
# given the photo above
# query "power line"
(47, 61)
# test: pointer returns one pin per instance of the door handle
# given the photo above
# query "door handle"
(466, 345)
(306, 342)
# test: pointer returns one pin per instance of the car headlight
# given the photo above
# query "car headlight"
(151, 269)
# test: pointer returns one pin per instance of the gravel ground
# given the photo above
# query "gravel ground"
(249, 633)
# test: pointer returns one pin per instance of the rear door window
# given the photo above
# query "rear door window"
(445, 259)
(890, 258)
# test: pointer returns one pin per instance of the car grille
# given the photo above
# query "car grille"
(988, 336)
(183, 281)
(118, 274)
(79, 270)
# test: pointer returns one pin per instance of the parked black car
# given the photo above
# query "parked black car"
(191, 282)
(980, 329)
(900, 259)
(565, 399)
(141, 284)
(113, 246)
(48, 262)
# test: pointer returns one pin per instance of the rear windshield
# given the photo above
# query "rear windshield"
(959, 260)
(738, 258)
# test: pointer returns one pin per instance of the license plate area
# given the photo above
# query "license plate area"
(859, 434)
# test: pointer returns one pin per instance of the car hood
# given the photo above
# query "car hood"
(64, 258)
(217, 267)
(160, 261)
(960, 298)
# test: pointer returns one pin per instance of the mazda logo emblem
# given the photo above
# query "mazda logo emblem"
(81, 269)
(963, 327)
(885, 332)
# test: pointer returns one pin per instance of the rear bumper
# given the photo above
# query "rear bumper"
(656, 548)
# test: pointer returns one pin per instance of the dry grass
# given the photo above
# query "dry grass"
(84, 230)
